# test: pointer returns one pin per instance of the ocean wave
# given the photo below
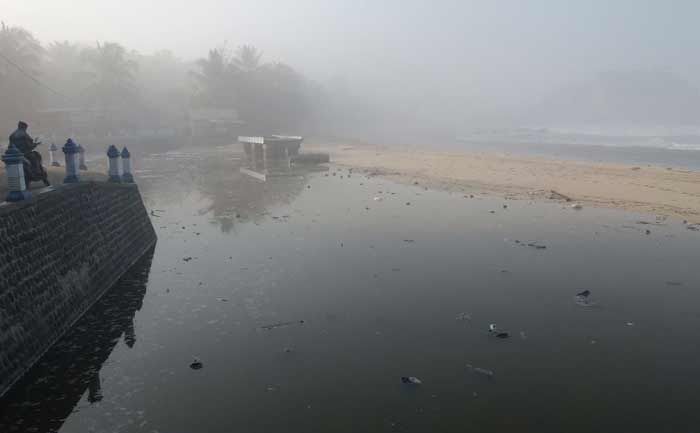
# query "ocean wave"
(684, 146)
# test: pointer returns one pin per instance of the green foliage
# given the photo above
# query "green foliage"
(20, 60)
(269, 97)
(127, 90)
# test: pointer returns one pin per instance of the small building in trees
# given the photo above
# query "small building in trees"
(215, 125)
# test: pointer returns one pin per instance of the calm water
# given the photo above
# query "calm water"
(378, 285)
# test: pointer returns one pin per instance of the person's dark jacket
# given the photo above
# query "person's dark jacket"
(21, 139)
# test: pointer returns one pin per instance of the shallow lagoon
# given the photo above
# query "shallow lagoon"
(385, 289)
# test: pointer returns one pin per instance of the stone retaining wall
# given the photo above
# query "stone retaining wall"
(59, 252)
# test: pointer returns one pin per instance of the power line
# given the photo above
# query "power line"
(31, 77)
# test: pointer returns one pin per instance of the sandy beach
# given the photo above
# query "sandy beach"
(647, 189)
(665, 191)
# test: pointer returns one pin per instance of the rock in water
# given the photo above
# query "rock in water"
(410, 380)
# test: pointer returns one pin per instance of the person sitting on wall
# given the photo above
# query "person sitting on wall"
(26, 144)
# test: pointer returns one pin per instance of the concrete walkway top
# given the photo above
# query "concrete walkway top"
(56, 175)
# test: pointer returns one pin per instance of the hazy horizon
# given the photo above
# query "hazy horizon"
(443, 62)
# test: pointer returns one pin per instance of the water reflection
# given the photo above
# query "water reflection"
(47, 395)
(212, 179)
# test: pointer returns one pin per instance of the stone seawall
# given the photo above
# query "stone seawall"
(59, 252)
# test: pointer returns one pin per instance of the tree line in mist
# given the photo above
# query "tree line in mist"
(153, 90)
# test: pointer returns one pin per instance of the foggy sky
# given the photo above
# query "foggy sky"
(489, 54)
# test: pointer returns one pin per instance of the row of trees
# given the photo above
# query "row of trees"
(267, 95)
(135, 90)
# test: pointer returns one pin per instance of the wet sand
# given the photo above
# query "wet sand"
(647, 189)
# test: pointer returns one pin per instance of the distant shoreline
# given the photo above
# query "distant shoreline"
(646, 189)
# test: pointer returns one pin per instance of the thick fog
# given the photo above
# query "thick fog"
(437, 67)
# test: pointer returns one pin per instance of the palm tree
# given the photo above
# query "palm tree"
(111, 89)
(112, 85)
(247, 58)
(66, 71)
(214, 81)
(20, 60)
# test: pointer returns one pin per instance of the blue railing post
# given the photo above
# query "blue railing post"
(71, 151)
(16, 186)
(81, 153)
(52, 155)
(127, 177)
(113, 155)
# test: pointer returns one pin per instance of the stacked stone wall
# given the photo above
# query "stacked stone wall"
(59, 252)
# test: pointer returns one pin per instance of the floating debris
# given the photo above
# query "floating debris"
(196, 364)
(582, 300)
(186, 259)
(498, 334)
(411, 380)
(222, 299)
(536, 246)
(409, 241)
(281, 324)
(558, 196)
(576, 206)
(630, 323)
(463, 316)
(674, 283)
(481, 371)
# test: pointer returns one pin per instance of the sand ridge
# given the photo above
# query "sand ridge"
(648, 189)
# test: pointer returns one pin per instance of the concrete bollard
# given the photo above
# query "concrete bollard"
(71, 152)
(52, 155)
(113, 155)
(16, 186)
(81, 153)
(126, 166)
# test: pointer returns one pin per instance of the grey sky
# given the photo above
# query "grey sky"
(491, 52)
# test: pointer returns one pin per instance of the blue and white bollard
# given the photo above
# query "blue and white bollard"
(52, 155)
(81, 156)
(71, 152)
(113, 155)
(16, 186)
(126, 166)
